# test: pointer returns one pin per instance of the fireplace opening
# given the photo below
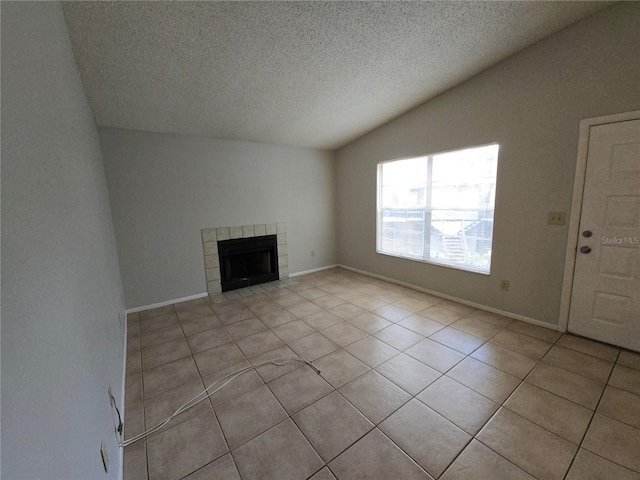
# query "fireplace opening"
(248, 261)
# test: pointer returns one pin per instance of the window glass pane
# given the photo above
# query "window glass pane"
(439, 208)
(404, 183)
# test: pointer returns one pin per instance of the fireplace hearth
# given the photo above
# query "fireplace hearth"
(248, 261)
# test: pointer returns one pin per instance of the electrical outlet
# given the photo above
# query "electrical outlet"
(556, 218)
(105, 457)
(504, 285)
(313, 253)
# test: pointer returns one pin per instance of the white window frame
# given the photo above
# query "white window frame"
(427, 212)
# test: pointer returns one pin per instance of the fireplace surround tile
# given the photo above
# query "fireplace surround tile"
(211, 237)
(210, 248)
(248, 231)
(222, 233)
(235, 232)
(211, 261)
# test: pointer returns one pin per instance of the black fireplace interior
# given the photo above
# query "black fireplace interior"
(248, 261)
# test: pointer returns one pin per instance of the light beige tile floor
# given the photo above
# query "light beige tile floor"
(411, 386)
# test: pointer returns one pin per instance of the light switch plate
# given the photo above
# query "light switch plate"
(556, 218)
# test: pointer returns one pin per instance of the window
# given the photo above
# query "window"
(439, 208)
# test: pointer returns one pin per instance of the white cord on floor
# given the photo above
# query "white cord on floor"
(206, 394)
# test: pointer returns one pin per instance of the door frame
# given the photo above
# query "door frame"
(576, 207)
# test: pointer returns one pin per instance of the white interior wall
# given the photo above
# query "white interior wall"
(62, 340)
(531, 104)
(165, 188)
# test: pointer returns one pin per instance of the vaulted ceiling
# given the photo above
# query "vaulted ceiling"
(312, 74)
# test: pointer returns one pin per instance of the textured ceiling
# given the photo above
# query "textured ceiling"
(311, 74)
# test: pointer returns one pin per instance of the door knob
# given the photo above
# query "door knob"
(585, 249)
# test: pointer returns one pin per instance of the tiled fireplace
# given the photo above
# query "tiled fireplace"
(211, 237)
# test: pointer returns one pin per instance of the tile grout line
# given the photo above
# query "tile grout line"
(441, 374)
(584, 435)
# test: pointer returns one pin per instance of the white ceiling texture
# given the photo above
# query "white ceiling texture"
(311, 74)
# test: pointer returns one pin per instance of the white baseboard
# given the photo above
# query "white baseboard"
(168, 302)
(314, 270)
(516, 316)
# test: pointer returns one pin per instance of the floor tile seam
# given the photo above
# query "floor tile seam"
(503, 405)
(577, 445)
(215, 413)
(623, 350)
(443, 300)
(502, 456)
(404, 451)
(176, 386)
(471, 315)
(593, 416)
(455, 457)
(387, 343)
(151, 323)
(433, 368)
(211, 312)
(476, 436)
(512, 349)
(524, 380)
(415, 397)
(143, 369)
(238, 395)
(616, 419)
(469, 355)
(172, 424)
(265, 431)
(552, 393)
(609, 460)
(375, 425)
(326, 462)
(465, 386)
(231, 451)
(348, 353)
(160, 315)
(620, 349)
(146, 459)
(206, 330)
(426, 336)
(144, 424)
(575, 373)
(416, 462)
(463, 353)
(318, 471)
(533, 336)
(502, 370)
(291, 341)
(612, 362)
(193, 352)
(452, 325)
(376, 366)
(298, 411)
(249, 334)
(148, 334)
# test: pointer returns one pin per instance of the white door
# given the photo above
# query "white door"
(605, 301)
